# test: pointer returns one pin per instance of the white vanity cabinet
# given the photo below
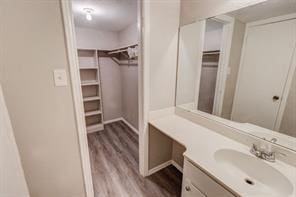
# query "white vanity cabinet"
(198, 184)
(189, 190)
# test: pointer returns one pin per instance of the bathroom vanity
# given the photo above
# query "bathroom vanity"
(216, 165)
(232, 131)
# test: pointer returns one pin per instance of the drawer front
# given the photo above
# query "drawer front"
(189, 190)
(203, 182)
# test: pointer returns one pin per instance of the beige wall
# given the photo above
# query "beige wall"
(129, 93)
(12, 172)
(160, 148)
(111, 88)
(42, 115)
(163, 148)
(129, 78)
(177, 153)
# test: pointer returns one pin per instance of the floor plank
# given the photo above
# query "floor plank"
(114, 156)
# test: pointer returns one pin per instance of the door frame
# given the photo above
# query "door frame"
(71, 46)
(292, 68)
(225, 48)
(199, 61)
(143, 88)
(143, 95)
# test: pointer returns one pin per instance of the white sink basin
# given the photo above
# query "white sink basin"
(258, 177)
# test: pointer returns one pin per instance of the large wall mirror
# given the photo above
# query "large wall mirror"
(240, 66)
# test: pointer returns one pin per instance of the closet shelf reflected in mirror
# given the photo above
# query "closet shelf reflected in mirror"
(210, 58)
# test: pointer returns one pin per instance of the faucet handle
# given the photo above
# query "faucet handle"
(255, 151)
(273, 140)
(262, 153)
(269, 156)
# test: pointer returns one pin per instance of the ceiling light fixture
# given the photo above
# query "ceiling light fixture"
(88, 12)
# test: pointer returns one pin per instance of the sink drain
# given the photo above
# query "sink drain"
(250, 182)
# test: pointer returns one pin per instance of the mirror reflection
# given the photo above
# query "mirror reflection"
(241, 66)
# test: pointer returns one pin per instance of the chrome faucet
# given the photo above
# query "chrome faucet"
(263, 153)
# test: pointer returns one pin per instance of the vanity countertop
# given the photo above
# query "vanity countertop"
(201, 145)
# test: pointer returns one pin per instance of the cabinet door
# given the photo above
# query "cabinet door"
(205, 184)
(188, 190)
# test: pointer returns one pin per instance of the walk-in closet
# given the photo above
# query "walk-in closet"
(108, 62)
(107, 41)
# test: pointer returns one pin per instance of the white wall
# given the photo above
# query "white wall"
(42, 115)
(161, 20)
(96, 39)
(129, 35)
(188, 62)
(111, 88)
(12, 173)
(213, 36)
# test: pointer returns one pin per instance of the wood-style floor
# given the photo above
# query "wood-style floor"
(115, 166)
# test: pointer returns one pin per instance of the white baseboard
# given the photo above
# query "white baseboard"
(113, 120)
(164, 165)
(130, 126)
(159, 167)
(125, 121)
(177, 166)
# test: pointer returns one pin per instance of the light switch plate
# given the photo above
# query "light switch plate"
(60, 77)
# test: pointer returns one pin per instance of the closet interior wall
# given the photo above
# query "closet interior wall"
(210, 61)
(119, 82)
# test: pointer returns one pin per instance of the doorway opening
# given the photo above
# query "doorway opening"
(104, 48)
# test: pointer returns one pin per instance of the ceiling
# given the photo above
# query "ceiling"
(267, 9)
(109, 15)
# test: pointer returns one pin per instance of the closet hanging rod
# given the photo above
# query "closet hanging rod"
(211, 52)
(128, 64)
(117, 51)
(122, 49)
